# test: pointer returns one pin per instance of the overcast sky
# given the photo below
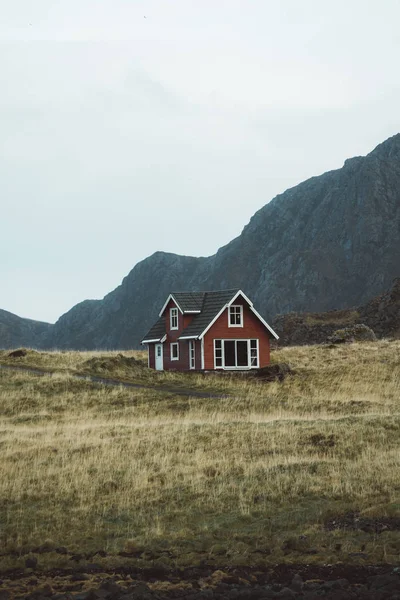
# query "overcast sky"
(130, 126)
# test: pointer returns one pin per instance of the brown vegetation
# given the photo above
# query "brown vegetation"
(258, 476)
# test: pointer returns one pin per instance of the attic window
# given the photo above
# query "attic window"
(173, 318)
(236, 315)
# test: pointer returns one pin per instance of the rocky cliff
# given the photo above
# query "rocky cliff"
(329, 243)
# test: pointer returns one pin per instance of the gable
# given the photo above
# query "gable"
(198, 311)
(215, 306)
(251, 326)
(185, 302)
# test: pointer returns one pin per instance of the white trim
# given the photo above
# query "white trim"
(241, 315)
(191, 312)
(173, 313)
(222, 354)
(187, 337)
(276, 336)
(202, 353)
(170, 351)
(170, 297)
(155, 341)
(258, 352)
(201, 336)
(240, 293)
(192, 346)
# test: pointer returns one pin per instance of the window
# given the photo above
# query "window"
(236, 354)
(173, 318)
(192, 361)
(175, 351)
(235, 316)
(158, 350)
(218, 353)
(254, 353)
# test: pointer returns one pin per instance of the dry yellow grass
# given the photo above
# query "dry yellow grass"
(247, 478)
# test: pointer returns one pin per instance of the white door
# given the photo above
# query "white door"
(159, 357)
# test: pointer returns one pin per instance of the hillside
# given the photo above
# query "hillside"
(331, 242)
(328, 243)
(381, 314)
(16, 331)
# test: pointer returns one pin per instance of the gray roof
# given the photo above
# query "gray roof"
(157, 331)
(209, 303)
(213, 302)
(189, 301)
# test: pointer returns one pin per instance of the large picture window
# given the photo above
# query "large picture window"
(236, 354)
(173, 318)
(235, 315)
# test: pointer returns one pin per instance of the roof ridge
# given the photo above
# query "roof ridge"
(209, 291)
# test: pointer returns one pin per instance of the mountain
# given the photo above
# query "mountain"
(381, 314)
(330, 242)
(16, 331)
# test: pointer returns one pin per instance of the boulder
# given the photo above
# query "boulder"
(354, 333)
(18, 353)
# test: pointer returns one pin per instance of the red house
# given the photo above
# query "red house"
(207, 331)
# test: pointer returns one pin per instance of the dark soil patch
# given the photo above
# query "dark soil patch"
(276, 372)
(321, 441)
(353, 520)
(280, 581)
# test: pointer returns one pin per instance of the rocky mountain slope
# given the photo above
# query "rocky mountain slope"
(329, 243)
(16, 331)
(381, 314)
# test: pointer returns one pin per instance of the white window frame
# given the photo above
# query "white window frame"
(172, 357)
(243, 368)
(222, 357)
(257, 365)
(173, 314)
(192, 354)
(235, 307)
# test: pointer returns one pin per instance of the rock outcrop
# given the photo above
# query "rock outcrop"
(381, 315)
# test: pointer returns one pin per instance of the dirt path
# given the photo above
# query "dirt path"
(178, 391)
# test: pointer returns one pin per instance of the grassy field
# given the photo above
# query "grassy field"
(271, 473)
(126, 367)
